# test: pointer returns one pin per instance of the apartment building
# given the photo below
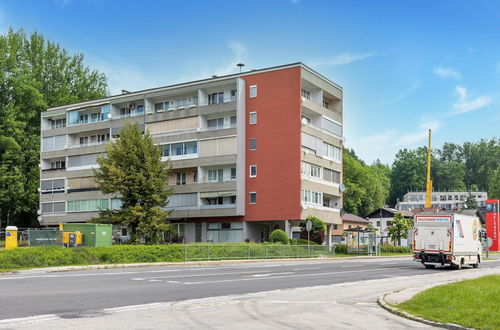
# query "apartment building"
(250, 152)
(449, 200)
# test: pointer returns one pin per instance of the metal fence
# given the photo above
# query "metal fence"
(22, 238)
(194, 252)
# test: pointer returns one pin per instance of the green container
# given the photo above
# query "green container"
(94, 234)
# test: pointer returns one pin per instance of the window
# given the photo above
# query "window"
(313, 197)
(215, 175)
(311, 170)
(60, 164)
(116, 203)
(57, 123)
(378, 223)
(331, 175)
(159, 106)
(179, 149)
(306, 94)
(253, 91)
(82, 160)
(195, 176)
(332, 152)
(253, 118)
(253, 171)
(331, 126)
(124, 231)
(253, 144)
(233, 94)
(88, 205)
(216, 98)
(180, 179)
(389, 223)
(54, 143)
(335, 227)
(54, 207)
(233, 173)
(253, 198)
(232, 200)
(182, 200)
(232, 121)
(216, 123)
(53, 186)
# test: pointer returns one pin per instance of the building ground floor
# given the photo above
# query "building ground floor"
(237, 231)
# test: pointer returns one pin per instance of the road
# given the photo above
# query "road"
(71, 295)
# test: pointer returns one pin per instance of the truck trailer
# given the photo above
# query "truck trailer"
(447, 239)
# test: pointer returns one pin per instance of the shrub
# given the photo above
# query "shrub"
(395, 249)
(341, 248)
(301, 241)
(278, 236)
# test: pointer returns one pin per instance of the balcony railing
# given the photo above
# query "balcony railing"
(90, 144)
(128, 115)
(226, 99)
(200, 207)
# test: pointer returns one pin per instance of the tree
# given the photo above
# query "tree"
(399, 228)
(408, 173)
(318, 228)
(279, 236)
(494, 192)
(470, 202)
(35, 74)
(132, 167)
(367, 187)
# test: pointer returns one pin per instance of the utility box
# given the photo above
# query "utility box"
(72, 239)
(10, 237)
(94, 234)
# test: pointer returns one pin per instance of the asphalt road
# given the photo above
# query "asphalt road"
(72, 294)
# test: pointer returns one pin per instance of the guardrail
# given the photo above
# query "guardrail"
(197, 252)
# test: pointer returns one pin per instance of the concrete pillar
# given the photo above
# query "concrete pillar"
(288, 228)
(329, 234)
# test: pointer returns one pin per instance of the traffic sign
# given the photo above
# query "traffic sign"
(309, 225)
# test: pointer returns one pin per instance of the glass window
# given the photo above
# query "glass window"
(192, 147)
(232, 120)
(116, 203)
(159, 106)
(166, 150)
(178, 149)
(253, 171)
(253, 144)
(332, 127)
(233, 173)
(253, 198)
(253, 118)
(253, 91)
(331, 152)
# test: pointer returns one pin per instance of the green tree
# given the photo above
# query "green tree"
(494, 192)
(318, 228)
(132, 168)
(35, 74)
(279, 236)
(399, 228)
(367, 187)
(408, 172)
(470, 202)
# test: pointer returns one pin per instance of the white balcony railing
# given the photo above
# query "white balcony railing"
(89, 144)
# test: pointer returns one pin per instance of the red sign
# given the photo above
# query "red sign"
(493, 224)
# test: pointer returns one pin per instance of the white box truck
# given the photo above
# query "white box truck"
(446, 239)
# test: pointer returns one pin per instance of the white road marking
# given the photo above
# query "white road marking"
(270, 274)
(288, 276)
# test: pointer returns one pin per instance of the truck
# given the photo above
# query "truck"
(447, 239)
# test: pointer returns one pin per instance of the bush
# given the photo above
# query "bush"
(395, 249)
(341, 248)
(301, 241)
(278, 236)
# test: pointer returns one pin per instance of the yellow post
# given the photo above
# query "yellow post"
(10, 237)
(61, 226)
(428, 190)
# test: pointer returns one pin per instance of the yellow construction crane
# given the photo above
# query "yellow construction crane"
(428, 190)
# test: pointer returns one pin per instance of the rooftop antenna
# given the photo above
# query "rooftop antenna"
(240, 65)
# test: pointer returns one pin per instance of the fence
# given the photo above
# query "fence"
(194, 252)
(41, 237)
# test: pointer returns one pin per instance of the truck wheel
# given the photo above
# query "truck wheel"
(429, 266)
(476, 265)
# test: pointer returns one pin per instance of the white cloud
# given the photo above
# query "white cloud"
(447, 73)
(340, 59)
(465, 104)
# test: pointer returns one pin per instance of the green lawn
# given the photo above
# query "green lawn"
(471, 303)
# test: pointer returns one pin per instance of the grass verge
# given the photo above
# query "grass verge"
(471, 303)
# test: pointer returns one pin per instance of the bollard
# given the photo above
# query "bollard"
(10, 237)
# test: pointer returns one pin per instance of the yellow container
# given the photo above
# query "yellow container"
(10, 237)
(71, 239)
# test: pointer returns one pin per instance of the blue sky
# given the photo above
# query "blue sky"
(405, 66)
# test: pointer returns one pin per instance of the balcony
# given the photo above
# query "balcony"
(320, 109)
(89, 144)
(139, 111)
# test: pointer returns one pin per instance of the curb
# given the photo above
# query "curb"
(381, 301)
(181, 263)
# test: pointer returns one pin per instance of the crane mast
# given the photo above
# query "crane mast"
(428, 190)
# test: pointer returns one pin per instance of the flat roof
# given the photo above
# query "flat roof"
(195, 82)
